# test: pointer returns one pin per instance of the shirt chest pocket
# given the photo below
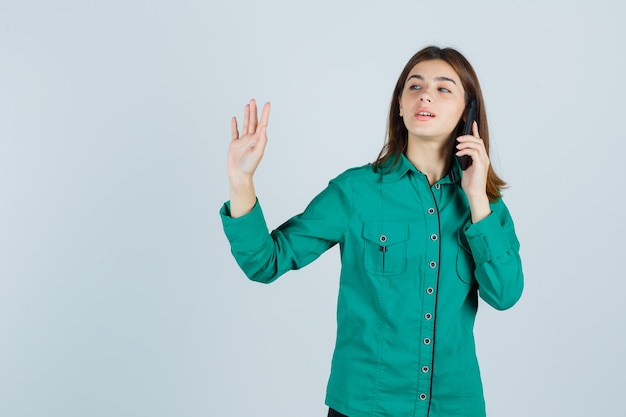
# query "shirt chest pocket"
(385, 247)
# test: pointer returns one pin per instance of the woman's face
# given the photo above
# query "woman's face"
(432, 101)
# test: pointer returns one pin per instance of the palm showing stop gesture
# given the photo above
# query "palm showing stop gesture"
(244, 155)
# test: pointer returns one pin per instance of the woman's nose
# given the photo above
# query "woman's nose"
(426, 95)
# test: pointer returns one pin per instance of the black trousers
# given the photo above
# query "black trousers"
(333, 413)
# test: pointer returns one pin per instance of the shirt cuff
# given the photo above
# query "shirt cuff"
(486, 239)
(245, 233)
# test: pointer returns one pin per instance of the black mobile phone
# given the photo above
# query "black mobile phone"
(470, 116)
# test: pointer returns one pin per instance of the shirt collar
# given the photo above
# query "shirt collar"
(403, 166)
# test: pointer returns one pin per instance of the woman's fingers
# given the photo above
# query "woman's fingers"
(251, 123)
(253, 136)
(475, 129)
(253, 117)
(471, 148)
(234, 133)
(472, 145)
(472, 141)
(246, 120)
(265, 117)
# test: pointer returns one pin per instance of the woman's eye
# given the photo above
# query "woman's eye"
(444, 90)
(414, 87)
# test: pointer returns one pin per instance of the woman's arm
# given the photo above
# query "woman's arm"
(262, 255)
(495, 249)
(244, 155)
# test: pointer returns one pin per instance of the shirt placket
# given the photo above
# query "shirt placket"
(429, 302)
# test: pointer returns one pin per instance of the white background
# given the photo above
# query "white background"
(118, 293)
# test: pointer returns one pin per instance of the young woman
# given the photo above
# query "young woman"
(420, 240)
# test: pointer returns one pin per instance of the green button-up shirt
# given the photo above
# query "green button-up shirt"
(413, 266)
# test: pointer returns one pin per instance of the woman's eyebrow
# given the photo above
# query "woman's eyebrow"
(441, 78)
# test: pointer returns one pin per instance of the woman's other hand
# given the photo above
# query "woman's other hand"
(244, 155)
(246, 148)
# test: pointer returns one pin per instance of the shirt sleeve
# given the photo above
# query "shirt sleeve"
(495, 248)
(264, 256)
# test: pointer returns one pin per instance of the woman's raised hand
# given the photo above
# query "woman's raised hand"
(244, 155)
(474, 181)
(246, 148)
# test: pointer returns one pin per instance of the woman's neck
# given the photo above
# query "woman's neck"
(431, 158)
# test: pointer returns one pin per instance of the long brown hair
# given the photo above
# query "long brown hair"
(397, 133)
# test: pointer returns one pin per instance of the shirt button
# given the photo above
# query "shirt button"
(422, 397)
(425, 369)
(382, 238)
(427, 341)
(433, 237)
(430, 290)
(432, 264)
(431, 211)
(428, 316)
(437, 186)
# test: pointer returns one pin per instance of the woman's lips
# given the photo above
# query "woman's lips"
(424, 114)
